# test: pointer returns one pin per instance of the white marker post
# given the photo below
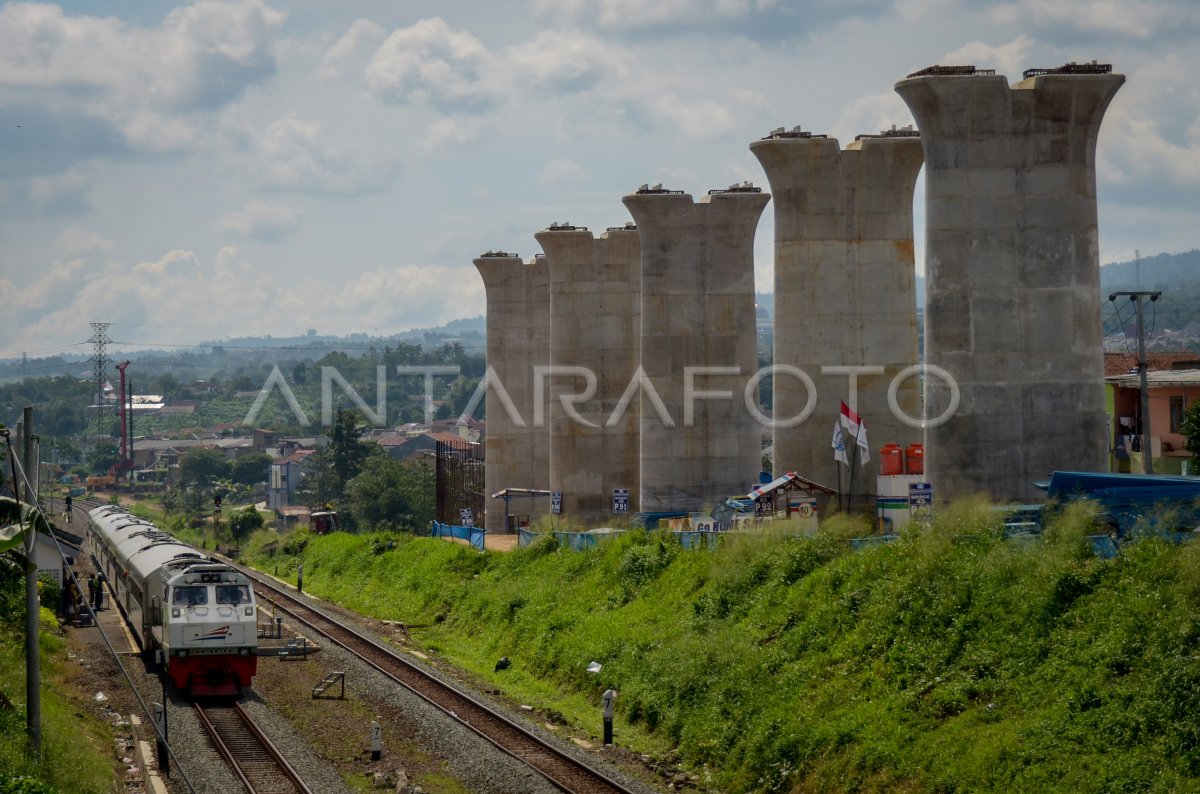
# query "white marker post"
(607, 700)
(376, 740)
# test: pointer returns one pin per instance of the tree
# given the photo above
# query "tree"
(317, 489)
(390, 494)
(244, 522)
(103, 457)
(250, 469)
(201, 466)
(346, 447)
(170, 500)
(1191, 431)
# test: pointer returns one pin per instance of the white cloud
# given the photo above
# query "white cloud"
(448, 134)
(201, 57)
(562, 175)
(1132, 150)
(565, 60)
(1134, 19)
(292, 153)
(869, 115)
(146, 301)
(173, 262)
(263, 220)
(154, 132)
(350, 48)
(429, 63)
(640, 14)
(1008, 59)
(52, 196)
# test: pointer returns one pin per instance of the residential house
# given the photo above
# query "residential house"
(286, 475)
(1174, 384)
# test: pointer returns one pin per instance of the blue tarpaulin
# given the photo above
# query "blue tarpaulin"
(473, 535)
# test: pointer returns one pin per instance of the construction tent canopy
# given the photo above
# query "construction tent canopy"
(789, 482)
(516, 493)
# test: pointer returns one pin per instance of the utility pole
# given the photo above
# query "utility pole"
(1136, 297)
(33, 696)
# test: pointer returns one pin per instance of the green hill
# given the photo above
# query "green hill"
(1163, 271)
(952, 660)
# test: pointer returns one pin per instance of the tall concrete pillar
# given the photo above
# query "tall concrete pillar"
(1012, 267)
(845, 292)
(517, 449)
(595, 285)
(697, 289)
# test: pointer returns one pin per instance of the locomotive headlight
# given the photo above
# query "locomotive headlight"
(249, 610)
(175, 612)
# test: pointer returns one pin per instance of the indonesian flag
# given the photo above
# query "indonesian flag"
(855, 426)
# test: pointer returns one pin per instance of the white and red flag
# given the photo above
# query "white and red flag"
(855, 426)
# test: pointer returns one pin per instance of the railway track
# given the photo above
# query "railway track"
(560, 769)
(249, 753)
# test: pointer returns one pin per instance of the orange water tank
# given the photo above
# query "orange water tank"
(914, 459)
(891, 460)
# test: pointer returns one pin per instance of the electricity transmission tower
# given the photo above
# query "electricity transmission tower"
(100, 342)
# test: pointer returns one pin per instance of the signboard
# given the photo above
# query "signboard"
(920, 499)
(467, 516)
(620, 501)
(556, 503)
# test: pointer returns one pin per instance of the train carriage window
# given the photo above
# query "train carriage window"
(189, 596)
(233, 594)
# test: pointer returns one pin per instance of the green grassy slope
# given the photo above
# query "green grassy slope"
(951, 660)
(76, 744)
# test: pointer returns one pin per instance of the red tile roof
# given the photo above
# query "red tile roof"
(1124, 363)
(296, 457)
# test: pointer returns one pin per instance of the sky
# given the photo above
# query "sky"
(229, 168)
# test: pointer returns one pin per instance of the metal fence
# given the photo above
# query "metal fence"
(459, 481)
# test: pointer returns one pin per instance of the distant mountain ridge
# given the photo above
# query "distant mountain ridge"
(1161, 271)
(1157, 272)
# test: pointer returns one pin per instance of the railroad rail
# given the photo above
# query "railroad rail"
(250, 754)
(560, 769)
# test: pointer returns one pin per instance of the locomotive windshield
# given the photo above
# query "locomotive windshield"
(233, 594)
(189, 596)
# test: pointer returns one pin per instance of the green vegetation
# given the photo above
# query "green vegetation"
(75, 744)
(950, 660)
(392, 494)
(1191, 431)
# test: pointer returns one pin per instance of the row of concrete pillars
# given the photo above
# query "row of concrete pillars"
(662, 313)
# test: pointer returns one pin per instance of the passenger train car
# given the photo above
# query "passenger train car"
(193, 613)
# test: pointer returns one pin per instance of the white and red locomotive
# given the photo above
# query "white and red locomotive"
(193, 613)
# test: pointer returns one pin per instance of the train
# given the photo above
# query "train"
(193, 614)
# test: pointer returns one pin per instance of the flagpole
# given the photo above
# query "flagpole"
(853, 465)
(838, 463)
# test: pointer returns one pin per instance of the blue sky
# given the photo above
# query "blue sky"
(227, 168)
